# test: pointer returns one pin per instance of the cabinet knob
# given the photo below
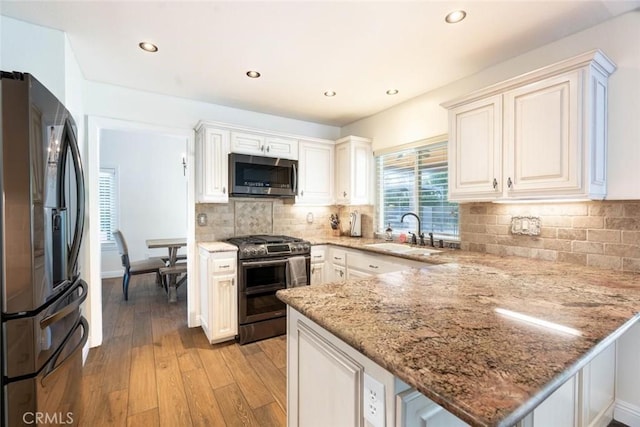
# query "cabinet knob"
(495, 183)
(509, 182)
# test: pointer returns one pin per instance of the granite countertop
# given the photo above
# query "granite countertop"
(217, 246)
(438, 328)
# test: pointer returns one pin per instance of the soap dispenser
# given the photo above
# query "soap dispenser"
(388, 233)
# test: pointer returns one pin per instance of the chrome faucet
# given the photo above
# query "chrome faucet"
(420, 233)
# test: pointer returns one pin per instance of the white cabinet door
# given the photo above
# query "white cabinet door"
(218, 295)
(337, 273)
(413, 409)
(212, 177)
(264, 145)
(224, 303)
(542, 137)
(317, 273)
(316, 174)
(283, 148)
(328, 383)
(559, 409)
(247, 143)
(353, 160)
(475, 150)
(599, 389)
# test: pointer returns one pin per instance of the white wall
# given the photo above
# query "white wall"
(37, 50)
(145, 107)
(619, 38)
(152, 191)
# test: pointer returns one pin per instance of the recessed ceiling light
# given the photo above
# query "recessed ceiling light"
(253, 74)
(148, 46)
(329, 93)
(392, 91)
(455, 16)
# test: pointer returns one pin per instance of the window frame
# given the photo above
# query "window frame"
(381, 223)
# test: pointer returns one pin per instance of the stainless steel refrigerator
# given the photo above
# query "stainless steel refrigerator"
(42, 210)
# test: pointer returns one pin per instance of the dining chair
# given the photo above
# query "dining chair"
(132, 268)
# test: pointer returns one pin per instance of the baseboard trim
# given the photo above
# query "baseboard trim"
(111, 274)
(627, 413)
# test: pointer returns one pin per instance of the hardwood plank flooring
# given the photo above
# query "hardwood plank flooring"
(152, 370)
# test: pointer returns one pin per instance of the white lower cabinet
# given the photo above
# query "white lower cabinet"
(218, 295)
(413, 409)
(317, 265)
(326, 379)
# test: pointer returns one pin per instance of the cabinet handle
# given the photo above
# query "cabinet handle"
(341, 273)
(317, 256)
(495, 183)
(224, 266)
(268, 146)
(224, 190)
(338, 258)
(313, 270)
(509, 182)
(301, 193)
(344, 194)
(373, 266)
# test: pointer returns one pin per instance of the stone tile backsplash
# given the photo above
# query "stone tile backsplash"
(277, 216)
(602, 234)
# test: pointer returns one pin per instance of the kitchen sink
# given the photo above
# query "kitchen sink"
(399, 248)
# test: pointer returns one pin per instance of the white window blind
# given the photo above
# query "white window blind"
(108, 205)
(416, 180)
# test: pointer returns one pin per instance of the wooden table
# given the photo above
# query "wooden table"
(172, 245)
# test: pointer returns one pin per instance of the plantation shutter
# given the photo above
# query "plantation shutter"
(107, 202)
(416, 180)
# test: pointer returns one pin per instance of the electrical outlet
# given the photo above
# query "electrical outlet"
(373, 401)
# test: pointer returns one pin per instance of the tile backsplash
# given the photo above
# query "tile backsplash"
(242, 216)
(603, 234)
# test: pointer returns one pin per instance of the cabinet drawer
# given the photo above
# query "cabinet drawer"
(338, 256)
(225, 265)
(372, 264)
(317, 255)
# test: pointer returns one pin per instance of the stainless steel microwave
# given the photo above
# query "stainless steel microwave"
(258, 176)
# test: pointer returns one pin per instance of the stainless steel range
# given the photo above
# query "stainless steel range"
(265, 265)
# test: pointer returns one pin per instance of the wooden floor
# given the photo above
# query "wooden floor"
(152, 370)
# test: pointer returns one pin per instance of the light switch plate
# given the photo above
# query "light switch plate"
(373, 401)
(526, 225)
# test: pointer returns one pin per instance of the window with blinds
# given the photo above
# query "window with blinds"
(108, 205)
(416, 180)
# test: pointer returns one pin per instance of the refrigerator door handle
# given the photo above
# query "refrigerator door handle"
(53, 364)
(68, 135)
(69, 308)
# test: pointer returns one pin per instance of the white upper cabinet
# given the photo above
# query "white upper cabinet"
(212, 176)
(542, 135)
(354, 167)
(264, 145)
(316, 183)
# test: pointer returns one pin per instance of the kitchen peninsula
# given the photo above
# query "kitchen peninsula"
(460, 334)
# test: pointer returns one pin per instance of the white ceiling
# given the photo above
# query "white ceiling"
(302, 48)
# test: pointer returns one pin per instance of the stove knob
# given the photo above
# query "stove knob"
(262, 251)
(254, 251)
(306, 246)
(245, 252)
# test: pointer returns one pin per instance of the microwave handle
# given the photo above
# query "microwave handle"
(295, 179)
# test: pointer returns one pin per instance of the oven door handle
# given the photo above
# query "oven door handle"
(264, 263)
